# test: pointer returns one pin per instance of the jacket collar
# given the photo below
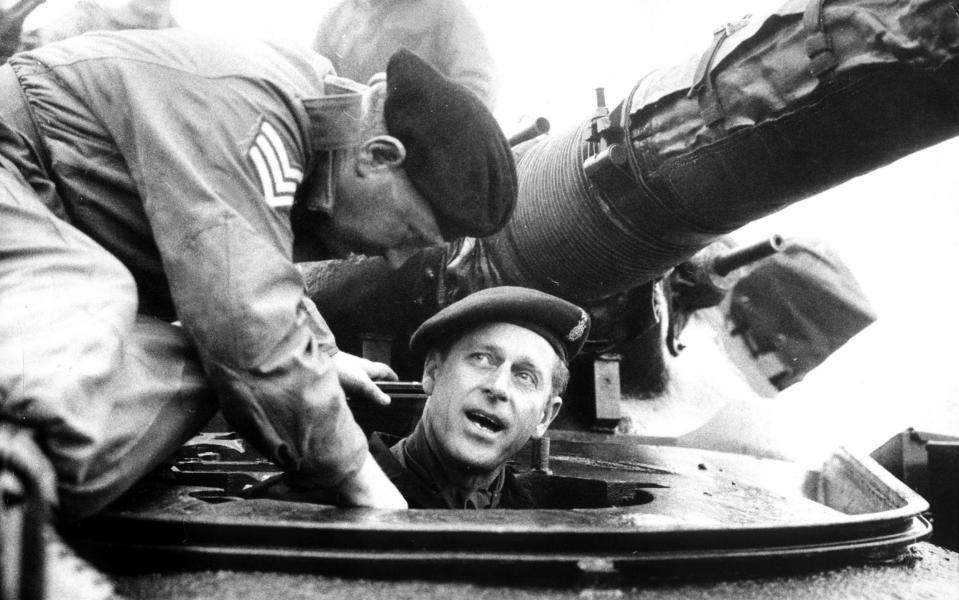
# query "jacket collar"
(418, 473)
(335, 127)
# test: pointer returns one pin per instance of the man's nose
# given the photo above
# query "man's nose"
(497, 385)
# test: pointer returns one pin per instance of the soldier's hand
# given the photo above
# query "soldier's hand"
(370, 487)
(357, 374)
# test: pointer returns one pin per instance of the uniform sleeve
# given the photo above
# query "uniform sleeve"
(469, 60)
(324, 337)
(213, 160)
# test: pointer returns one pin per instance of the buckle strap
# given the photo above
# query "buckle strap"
(710, 107)
(819, 48)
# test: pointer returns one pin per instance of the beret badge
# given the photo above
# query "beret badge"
(577, 331)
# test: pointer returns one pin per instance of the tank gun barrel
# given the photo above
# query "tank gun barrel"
(697, 151)
(693, 153)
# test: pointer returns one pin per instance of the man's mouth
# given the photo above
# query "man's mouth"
(486, 421)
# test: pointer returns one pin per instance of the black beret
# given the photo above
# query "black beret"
(456, 154)
(563, 324)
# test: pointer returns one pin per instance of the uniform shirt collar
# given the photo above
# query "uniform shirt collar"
(415, 453)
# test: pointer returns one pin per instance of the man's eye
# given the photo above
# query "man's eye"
(481, 358)
(527, 378)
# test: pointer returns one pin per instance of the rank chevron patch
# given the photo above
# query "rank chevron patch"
(278, 177)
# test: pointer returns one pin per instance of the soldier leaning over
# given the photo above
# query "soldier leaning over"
(154, 176)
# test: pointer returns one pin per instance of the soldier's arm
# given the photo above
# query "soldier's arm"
(226, 246)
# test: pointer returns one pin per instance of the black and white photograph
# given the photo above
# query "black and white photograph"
(475, 299)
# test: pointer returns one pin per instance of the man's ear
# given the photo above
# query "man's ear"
(429, 372)
(550, 412)
(379, 153)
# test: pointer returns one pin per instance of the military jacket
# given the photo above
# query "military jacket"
(181, 154)
(509, 492)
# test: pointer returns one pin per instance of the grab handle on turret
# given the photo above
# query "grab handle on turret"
(533, 130)
(724, 264)
(704, 280)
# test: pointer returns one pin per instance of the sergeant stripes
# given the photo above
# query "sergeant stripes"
(278, 178)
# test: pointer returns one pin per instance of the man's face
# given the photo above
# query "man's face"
(378, 212)
(489, 395)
